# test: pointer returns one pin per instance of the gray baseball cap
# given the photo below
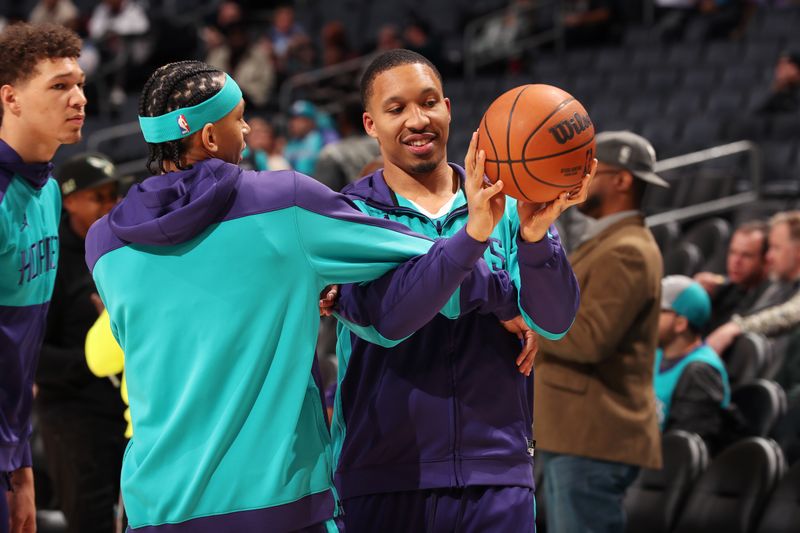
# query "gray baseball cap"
(632, 152)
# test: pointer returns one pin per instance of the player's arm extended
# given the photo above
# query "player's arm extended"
(410, 272)
(549, 295)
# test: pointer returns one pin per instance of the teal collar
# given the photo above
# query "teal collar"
(188, 120)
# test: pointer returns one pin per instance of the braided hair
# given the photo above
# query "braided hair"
(174, 86)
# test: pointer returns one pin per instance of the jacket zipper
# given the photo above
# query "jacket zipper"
(439, 225)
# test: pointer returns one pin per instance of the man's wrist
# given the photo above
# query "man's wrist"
(527, 235)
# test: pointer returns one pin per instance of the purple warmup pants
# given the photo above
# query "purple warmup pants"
(466, 510)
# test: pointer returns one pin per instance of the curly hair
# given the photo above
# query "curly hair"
(24, 45)
(171, 87)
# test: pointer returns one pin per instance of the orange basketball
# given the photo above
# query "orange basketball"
(539, 140)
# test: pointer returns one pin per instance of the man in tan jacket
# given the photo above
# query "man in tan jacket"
(595, 406)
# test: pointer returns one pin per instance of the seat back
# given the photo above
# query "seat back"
(654, 501)
(666, 235)
(711, 235)
(685, 258)
(761, 402)
(730, 496)
(782, 514)
(745, 358)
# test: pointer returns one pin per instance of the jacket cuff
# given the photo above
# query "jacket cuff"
(535, 254)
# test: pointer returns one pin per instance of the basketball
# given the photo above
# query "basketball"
(539, 140)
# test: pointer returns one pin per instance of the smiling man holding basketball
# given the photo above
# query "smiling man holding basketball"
(433, 433)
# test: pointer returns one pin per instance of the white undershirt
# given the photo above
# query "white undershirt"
(442, 210)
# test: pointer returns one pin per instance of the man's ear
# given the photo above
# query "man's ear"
(369, 125)
(8, 98)
(623, 181)
(208, 137)
(681, 324)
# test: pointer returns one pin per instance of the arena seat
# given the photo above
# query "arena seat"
(647, 56)
(701, 131)
(654, 501)
(745, 358)
(761, 403)
(700, 79)
(782, 514)
(726, 100)
(641, 109)
(659, 82)
(710, 235)
(760, 53)
(685, 259)
(682, 55)
(666, 235)
(684, 103)
(722, 53)
(730, 496)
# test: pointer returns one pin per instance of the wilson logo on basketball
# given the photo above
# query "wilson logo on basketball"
(565, 130)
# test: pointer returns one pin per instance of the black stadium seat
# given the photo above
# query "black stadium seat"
(730, 496)
(666, 235)
(746, 358)
(782, 514)
(654, 501)
(685, 259)
(710, 235)
(761, 403)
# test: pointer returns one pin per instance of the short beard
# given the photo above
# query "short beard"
(591, 206)
(424, 168)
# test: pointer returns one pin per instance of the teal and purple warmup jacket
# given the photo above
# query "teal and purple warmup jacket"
(211, 277)
(30, 208)
(445, 407)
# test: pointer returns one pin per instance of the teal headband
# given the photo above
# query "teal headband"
(185, 121)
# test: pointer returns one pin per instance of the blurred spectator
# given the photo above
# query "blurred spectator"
(248, 63)
(305, 140)
(691, 383)
(118, 27)
(388, 38)
(80, 415)
(594, 412)
(122, 18)
(228, 13)
(283, 31)
(417, 37)
(498, 36)
(784, 95)
(335, 47)
(301, 56)
(340, 162)
(778, 309)
(263, 152)
(587, 22)
(746, 281)
(711, 19)
(61, 12)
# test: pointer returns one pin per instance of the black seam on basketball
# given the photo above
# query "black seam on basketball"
(508, 142)
(489, 135)
(558, 108)
(528, 159)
